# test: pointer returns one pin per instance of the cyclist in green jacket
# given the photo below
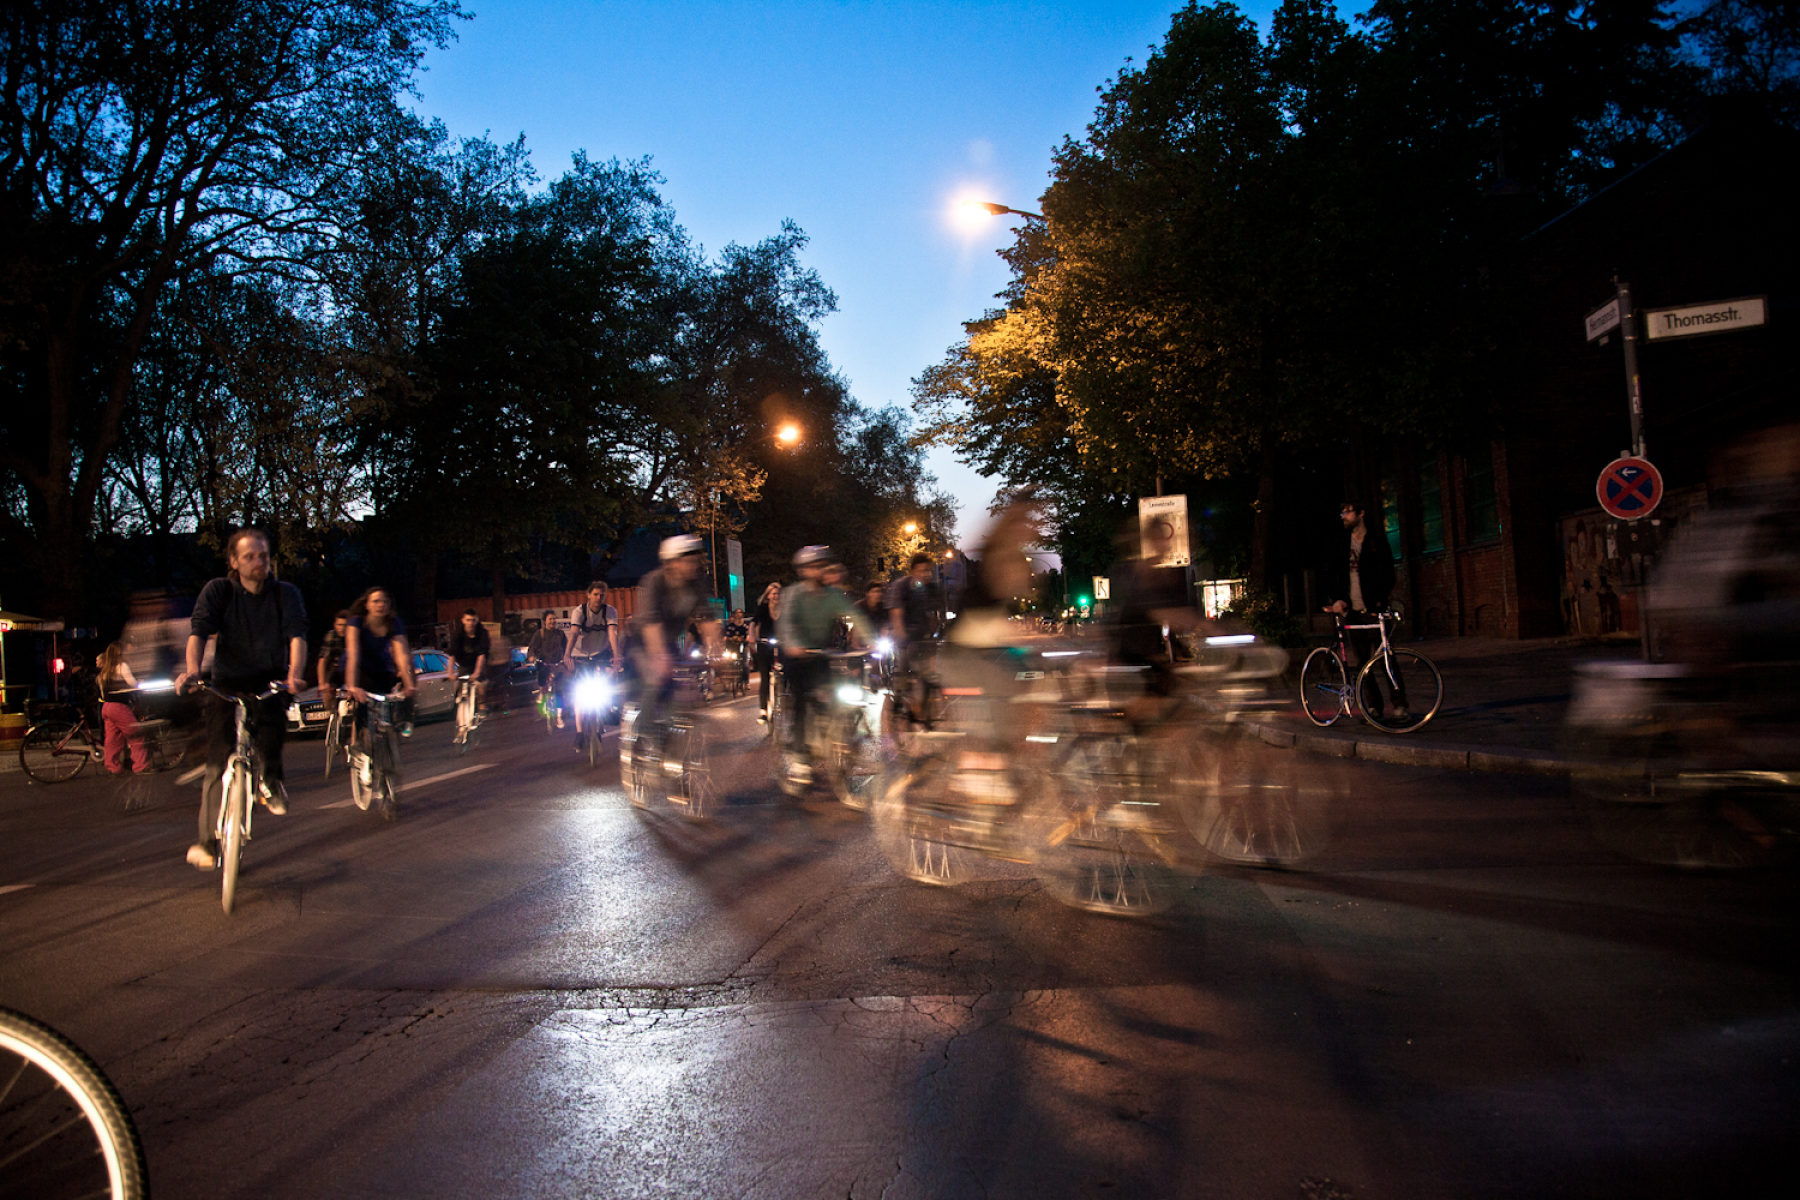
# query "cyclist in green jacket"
(809, 611)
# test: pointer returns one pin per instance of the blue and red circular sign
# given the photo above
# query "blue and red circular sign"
(1630, 488)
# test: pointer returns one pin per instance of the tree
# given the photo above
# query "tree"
(136, 140)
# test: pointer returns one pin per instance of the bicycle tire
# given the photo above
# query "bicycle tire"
(1417, 674)
(231, 840)
(633, 775)
(858, 758)
(49, 1164)
(694, 791)
(332, 724)
(1322, 679)
(387, 775)
(920, 830)
(1105, 850)
(44, 754)
(1253, 805)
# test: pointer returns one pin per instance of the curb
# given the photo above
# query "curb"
(1416, 754)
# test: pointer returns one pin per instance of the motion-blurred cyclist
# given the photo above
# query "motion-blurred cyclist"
(810, 611)
(669, 600)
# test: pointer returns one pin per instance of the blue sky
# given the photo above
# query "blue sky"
(862, 122)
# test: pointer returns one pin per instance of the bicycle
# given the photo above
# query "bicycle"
(548, 703)
(1410, 677)
(375, 757)
(62, 1113)
(469, 716)
(668, 758)
(845, 738)
(593, 695)
(237, 794)
(55, 750)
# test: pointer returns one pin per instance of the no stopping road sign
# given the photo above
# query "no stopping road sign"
(1629, 488)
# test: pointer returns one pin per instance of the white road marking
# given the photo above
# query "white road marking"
(407, 785)
(15, 887)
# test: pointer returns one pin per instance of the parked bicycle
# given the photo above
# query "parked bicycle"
(61, 744)
(64, 1130)
(1414, 688)
(375, 757)
(238, 786)
(667, 759)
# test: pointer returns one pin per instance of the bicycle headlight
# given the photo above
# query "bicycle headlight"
(157, 685)
(849, 694)
(592, 694)
(883, 647)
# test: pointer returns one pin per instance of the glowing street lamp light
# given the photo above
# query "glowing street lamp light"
(1000, 210)
(788, 434)
(910, 528)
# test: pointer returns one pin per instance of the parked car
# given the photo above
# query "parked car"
(436, 696)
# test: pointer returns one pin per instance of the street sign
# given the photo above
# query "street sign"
(1102, 588)
(1694, 319)
(734, 570)
(1629, 489)
(1604, 319)
(1163, 528)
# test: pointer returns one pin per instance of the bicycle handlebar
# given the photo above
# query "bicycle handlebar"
(275, 689)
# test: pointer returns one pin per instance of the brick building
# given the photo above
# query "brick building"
(1507, 539)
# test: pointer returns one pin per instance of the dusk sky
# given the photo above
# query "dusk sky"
(864, 123)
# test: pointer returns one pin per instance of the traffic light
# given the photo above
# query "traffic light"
(1083, 601)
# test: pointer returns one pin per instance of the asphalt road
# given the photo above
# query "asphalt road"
(527, 988)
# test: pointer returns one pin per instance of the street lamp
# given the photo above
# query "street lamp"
(1000, 210)
(788, 434)
(910, 528)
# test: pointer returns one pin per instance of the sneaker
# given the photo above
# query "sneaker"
(406, 729)
(1400, 713)
(762, 718)
(274, 797)
(559, 720)
(200, 856)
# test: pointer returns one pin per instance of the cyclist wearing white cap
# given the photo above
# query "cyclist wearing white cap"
(809, 611)
(667, 600)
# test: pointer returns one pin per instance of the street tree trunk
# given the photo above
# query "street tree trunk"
(1262, 528)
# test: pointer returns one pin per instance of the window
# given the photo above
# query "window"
(1482, 501)
(1390, 515)
(1431, 507)
(427, 664)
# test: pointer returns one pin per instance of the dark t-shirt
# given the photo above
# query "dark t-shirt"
(1139, 590)
(765, 621)
(669, 606)
(333, 650)
(918, 605)
(470, 650)
(377, 672)
(253, 628)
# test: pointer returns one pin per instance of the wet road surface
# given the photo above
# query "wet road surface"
(527, 988)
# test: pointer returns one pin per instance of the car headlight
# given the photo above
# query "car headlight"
(592, 694)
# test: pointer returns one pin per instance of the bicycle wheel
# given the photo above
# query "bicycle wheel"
(1404, 673)
(1249, 803)
(694, 790)
(923, 832)
(1323, 687)
(64, 1131)
(53, 751)
(332, 725)
(1109, 842)
(386, 775)
(231, 832)
(637, 767)
(858, 757)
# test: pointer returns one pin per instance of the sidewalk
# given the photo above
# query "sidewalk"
(1503, 710)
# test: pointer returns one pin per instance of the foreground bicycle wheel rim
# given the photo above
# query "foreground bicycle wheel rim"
(231, 846)
(38, 754)
(916, 823)
(64, 1131)
(1322, 687)
(1105, 850)
(1420, 677)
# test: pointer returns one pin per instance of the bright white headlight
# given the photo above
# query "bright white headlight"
(848, 694)
(592, 694)
(884, 646)
(1231, 639)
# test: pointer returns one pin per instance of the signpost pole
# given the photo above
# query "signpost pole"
(1634, 389)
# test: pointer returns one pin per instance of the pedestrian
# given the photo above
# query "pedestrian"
(117, 684)
(1361, 582)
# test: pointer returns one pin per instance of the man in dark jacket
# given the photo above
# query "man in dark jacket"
(1362, 584)
(260, 624)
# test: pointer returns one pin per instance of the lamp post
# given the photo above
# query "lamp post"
(1000, 210)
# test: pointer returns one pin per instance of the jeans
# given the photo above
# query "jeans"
(121, 730)
(765, 667)
(805, 676)
(268, 726)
